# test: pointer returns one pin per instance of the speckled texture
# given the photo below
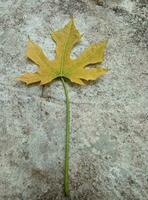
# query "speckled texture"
(109, 128)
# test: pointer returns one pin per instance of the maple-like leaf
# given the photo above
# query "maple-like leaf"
(76, 70)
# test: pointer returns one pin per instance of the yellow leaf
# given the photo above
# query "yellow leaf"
(75, 70)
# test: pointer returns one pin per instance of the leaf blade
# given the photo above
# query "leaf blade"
(63, 66)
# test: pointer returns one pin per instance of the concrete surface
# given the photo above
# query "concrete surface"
(109, 129)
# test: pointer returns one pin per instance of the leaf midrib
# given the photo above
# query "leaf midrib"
(64, 53)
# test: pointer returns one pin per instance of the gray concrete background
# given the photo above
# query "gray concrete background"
(109, 129)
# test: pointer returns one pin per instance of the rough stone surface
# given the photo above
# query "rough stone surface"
(109, 128)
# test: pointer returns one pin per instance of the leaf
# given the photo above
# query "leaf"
(75, 70)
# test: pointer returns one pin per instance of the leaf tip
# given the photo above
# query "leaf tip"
(17, 78)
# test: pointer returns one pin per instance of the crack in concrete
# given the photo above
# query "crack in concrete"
(45, 98)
